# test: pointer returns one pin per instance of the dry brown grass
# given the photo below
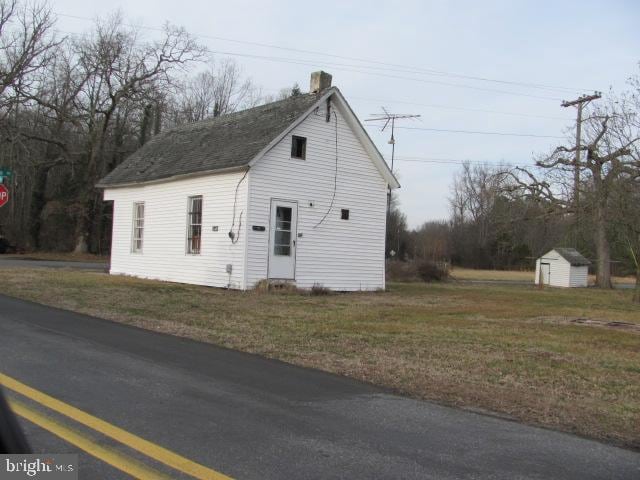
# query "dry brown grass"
(508, 349)
(460, 273)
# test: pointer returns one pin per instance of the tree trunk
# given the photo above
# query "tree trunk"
(82, 246)
(85, 213)
(37, 204)
(603, 265)
(636, 263)
(87, 196)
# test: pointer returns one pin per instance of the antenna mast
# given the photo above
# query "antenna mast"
(390, 118)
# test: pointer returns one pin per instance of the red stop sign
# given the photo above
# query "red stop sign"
(4, 195)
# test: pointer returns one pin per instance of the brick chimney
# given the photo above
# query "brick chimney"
(320, 81)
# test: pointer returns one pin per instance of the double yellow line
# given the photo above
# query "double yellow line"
(108, 455)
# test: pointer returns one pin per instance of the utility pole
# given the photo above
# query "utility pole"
(580, 103)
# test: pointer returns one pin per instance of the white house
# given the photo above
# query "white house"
(291, 191)
(562, 267)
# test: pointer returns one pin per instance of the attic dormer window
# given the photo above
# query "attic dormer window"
(298, 147)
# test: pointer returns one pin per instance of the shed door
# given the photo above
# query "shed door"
(545, 272)
(282, 239)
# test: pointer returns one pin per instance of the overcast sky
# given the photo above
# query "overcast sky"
(579, 46)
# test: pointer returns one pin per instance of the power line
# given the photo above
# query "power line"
(396, 67)
(378, 101)
(480, 132)
(456, 161)
(452, 130)
(354, 69)
(464, 109)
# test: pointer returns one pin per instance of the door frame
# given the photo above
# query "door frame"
(294, 239)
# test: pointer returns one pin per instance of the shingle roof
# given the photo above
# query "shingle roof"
(572, 256)
(224, 142)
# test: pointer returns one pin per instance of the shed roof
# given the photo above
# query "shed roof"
(221, 143)
(572, 256)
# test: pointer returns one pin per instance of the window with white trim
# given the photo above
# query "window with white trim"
(138, 227)
(194, 225)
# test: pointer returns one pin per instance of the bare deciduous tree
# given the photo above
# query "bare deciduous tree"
(26, 45)
(608, 158)
(217, 91)
(123, 68)
(473, 195)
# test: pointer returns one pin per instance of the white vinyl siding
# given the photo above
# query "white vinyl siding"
(338, 254)
(165, 256)
(579, 276)
(137, 230)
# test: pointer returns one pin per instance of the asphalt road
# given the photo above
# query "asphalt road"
(254, 418)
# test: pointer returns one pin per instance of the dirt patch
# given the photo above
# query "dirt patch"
(629, 327)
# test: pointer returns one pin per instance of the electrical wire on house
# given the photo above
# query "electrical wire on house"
(235, 236)
(335, 177)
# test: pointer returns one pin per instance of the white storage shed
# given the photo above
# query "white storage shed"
(562, 267)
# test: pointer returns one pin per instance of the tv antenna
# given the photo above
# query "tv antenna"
(390, 118)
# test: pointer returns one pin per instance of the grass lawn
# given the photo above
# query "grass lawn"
(504, 348)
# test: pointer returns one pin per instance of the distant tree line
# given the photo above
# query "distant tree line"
(73, 107)
(486, 228)
(504, 217)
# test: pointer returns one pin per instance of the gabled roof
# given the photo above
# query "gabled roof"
(572, 256)
(228, 142)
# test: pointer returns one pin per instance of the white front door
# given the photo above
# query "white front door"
(282, 239)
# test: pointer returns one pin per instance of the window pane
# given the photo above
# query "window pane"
(282, 225)
(283, 250)
(195, 244)
(298, 146)
(282, 238)
(194, 224)
(138, 227)
(283, 213)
